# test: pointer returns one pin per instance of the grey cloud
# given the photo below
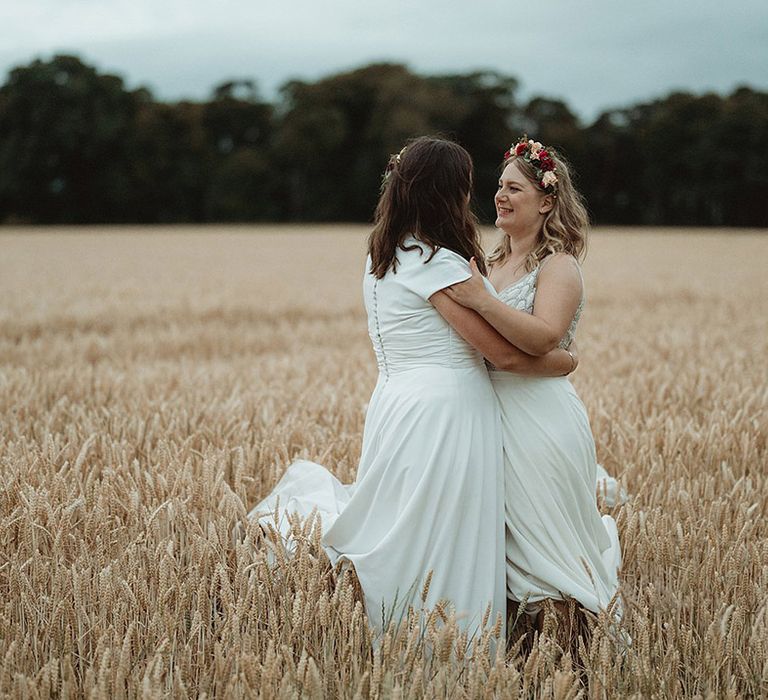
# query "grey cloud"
(593, 55)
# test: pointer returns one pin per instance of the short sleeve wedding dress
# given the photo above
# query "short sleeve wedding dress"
(429, 489)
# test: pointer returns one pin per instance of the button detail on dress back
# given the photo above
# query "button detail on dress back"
(381, 355)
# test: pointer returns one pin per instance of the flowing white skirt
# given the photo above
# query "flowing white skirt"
(428, 495)
(557, 543)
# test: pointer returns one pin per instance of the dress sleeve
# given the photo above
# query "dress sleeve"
(444, 269)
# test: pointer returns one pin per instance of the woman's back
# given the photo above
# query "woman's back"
(407, 332)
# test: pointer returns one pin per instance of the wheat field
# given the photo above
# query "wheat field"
(155, 382)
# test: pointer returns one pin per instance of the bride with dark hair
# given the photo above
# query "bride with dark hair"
(429, 493)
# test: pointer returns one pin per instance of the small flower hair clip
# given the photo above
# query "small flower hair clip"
(394, 161)
(536, 154)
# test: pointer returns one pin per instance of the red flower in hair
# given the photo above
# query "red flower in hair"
(545, 161)
(540, 159)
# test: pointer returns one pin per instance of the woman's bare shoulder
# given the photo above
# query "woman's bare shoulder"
(560, 258)
(563, 268)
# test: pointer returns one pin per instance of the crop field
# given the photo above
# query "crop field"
(155, 383)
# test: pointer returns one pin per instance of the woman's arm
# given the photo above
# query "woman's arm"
(558, 292)
(499, 351)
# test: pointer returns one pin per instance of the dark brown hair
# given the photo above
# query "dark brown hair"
(426, 194)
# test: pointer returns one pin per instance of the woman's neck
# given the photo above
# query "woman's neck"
(521, 245)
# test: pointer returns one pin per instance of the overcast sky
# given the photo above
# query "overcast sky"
(594, 55)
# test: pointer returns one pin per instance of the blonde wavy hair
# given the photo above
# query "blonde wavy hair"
(565, 226)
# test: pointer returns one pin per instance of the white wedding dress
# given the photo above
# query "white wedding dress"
(429, 489)
(557, 543)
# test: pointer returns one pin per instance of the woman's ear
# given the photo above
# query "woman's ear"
(547, 202)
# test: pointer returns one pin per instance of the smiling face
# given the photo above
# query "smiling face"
(520, 205)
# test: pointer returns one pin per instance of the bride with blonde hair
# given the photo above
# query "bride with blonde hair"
(558, 546)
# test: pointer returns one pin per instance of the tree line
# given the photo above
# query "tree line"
(77, 146)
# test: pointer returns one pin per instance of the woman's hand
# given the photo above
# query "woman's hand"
(471, 292)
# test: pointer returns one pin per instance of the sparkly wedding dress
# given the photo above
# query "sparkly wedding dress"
(557, 543)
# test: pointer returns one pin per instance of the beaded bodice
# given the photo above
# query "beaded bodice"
(520, 295)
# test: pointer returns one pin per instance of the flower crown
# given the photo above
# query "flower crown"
(534, 153)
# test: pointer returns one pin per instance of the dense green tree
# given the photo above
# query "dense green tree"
(336, 136)
(65, 133)
(239, 130)
(608, 162)
(737, 169)
(344, 128)
(77, 146)
(683, 159)
(169, 163)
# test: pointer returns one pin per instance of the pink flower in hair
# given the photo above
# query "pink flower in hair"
(548, 179)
